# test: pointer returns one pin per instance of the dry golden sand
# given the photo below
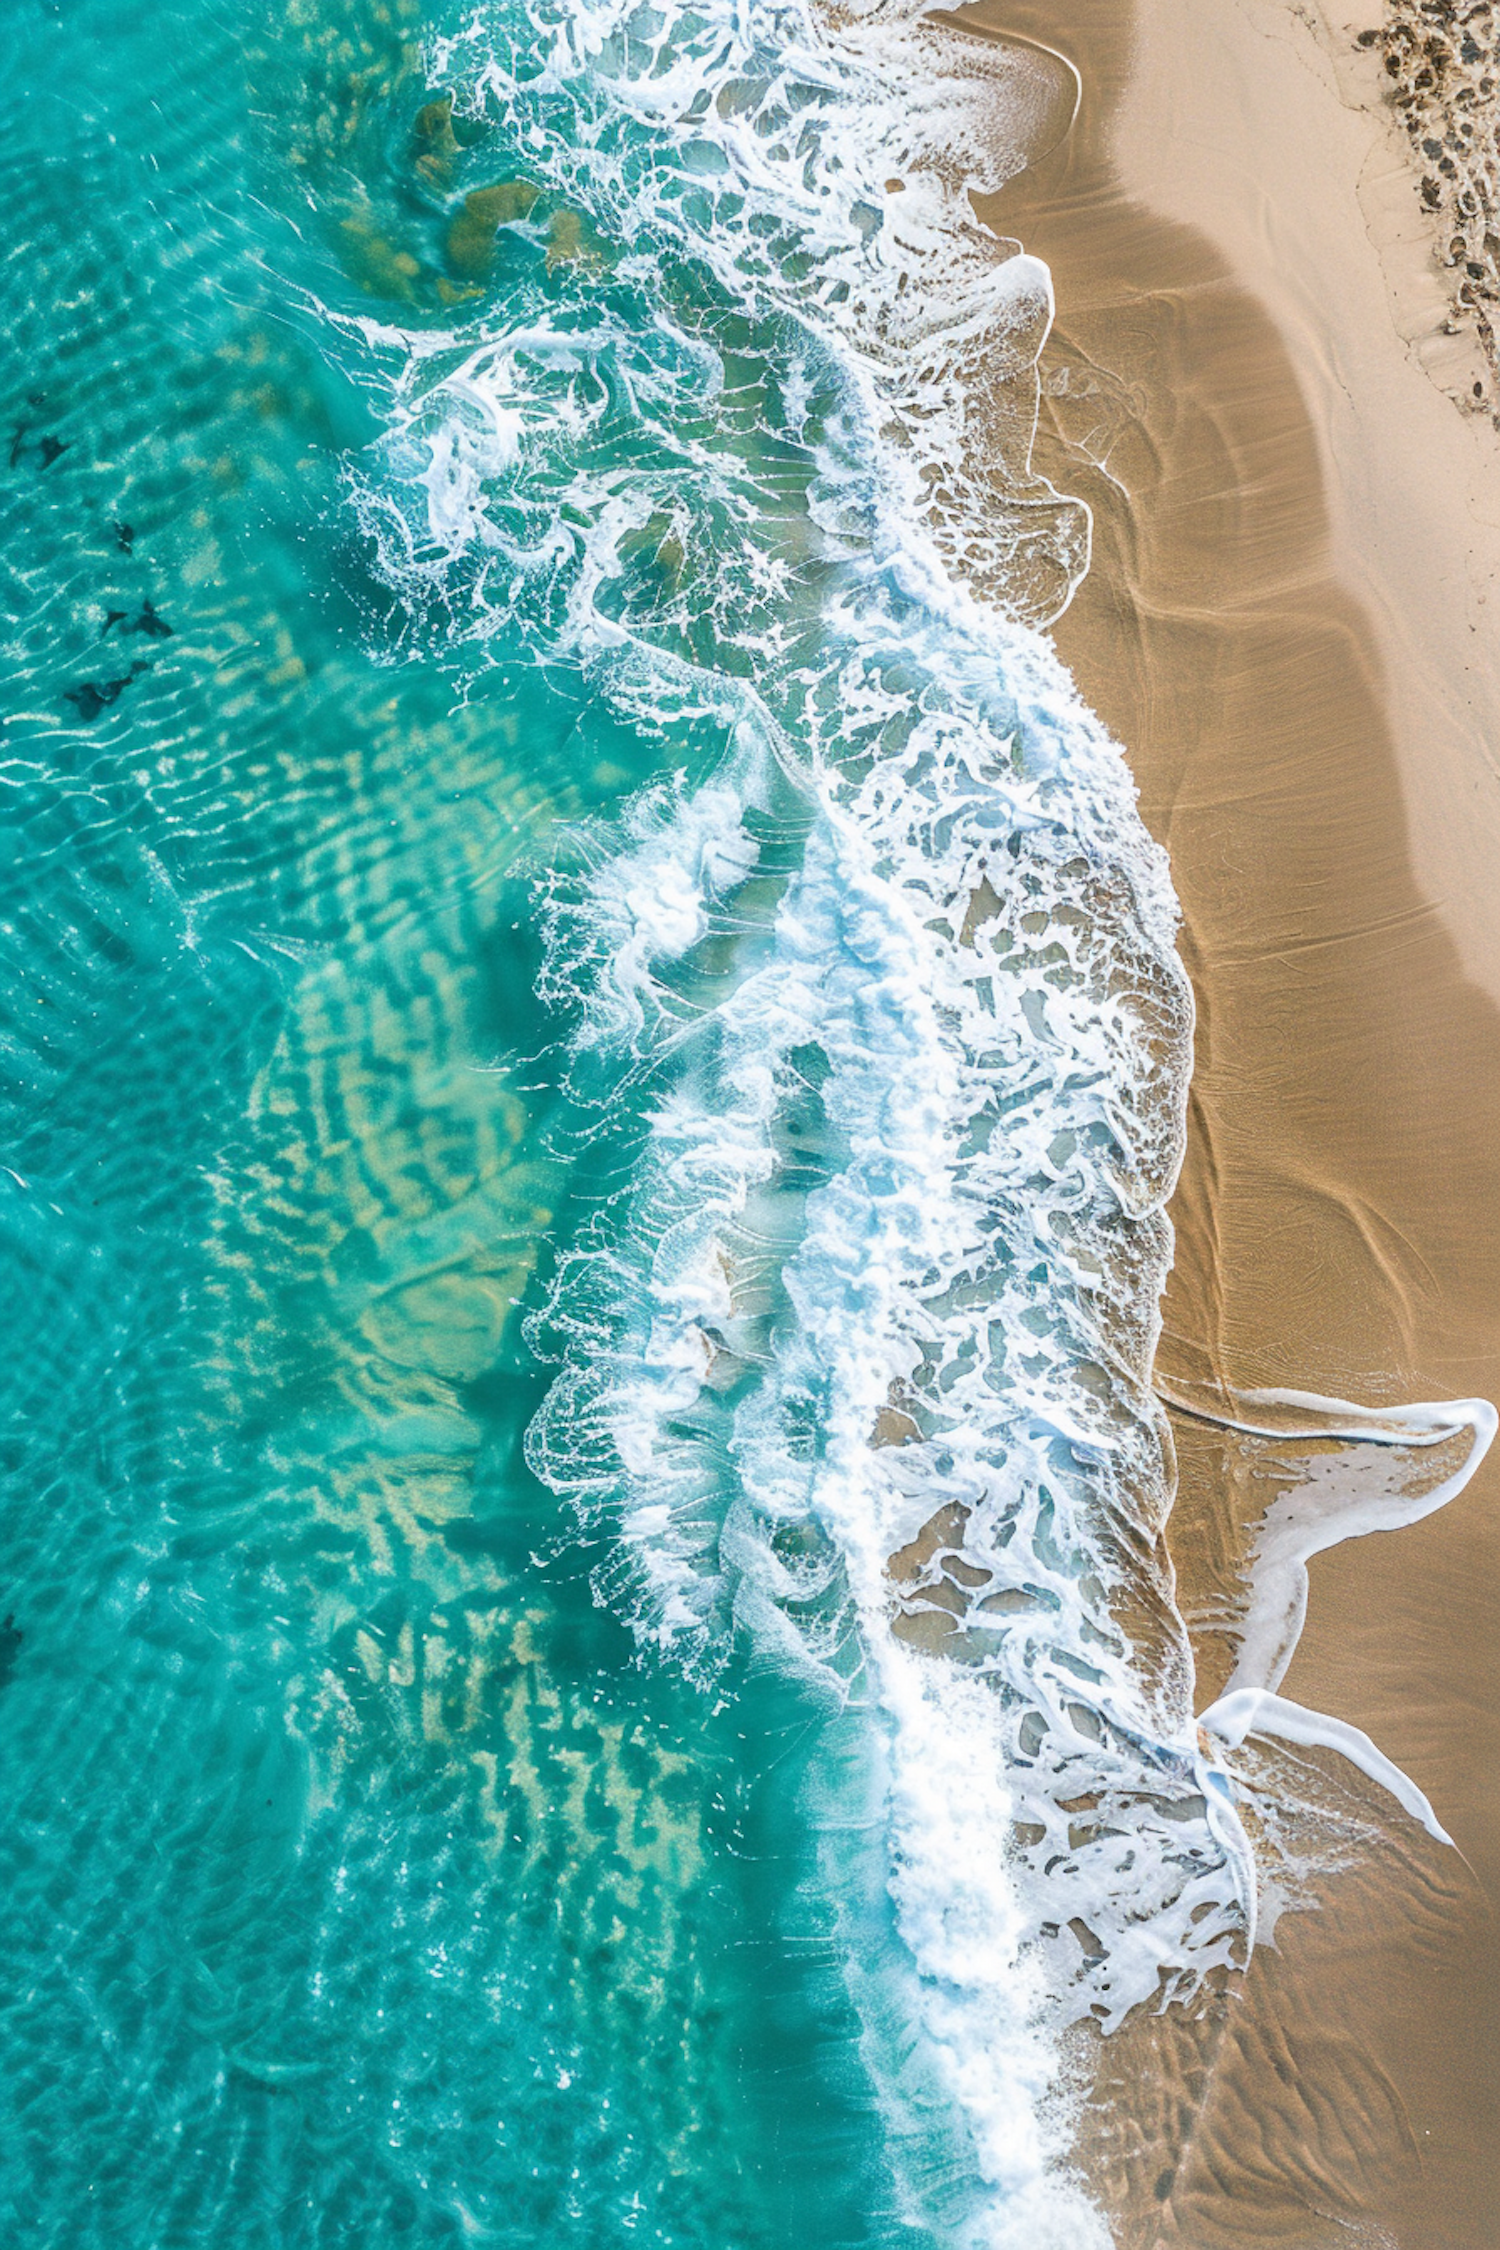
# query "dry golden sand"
(1286, 624)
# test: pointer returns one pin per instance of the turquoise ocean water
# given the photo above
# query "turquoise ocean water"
(358, 1888)
(591, 1052)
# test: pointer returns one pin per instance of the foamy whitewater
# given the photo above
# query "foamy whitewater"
(873, 1004)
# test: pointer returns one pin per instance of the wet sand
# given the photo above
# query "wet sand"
(1286, 625)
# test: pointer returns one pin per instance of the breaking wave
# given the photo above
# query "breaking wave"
(870, 1001)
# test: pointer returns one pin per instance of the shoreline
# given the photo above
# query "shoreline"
(1295, 537)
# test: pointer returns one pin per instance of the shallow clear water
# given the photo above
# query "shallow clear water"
(357, 1887)
(591, 1053)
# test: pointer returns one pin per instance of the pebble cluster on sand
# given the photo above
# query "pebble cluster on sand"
(1442, 58)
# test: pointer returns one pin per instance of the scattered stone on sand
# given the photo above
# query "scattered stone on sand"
(1442, 78)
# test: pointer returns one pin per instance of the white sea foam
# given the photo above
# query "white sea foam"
(884, 1004)
(992, 1115)
(1375, 1483)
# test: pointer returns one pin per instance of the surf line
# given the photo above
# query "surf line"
(1314, 1515)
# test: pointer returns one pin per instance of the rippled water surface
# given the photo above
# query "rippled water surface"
(358, 1888)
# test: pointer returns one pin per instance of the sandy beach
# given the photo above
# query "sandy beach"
(1289, 625)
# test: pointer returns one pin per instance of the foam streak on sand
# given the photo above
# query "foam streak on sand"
(1339, 1499)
